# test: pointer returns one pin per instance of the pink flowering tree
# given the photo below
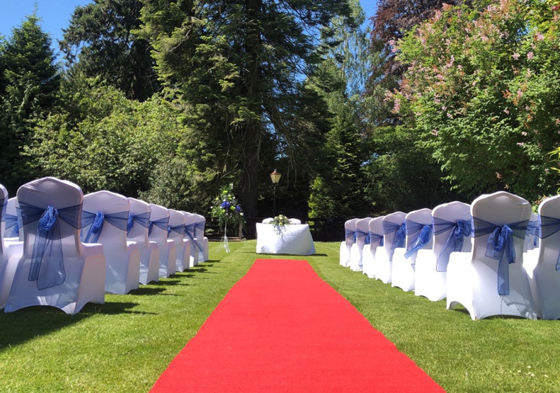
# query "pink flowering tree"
(482, 91)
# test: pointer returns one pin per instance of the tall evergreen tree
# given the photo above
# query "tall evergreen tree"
(240, 65)
(28, 90)
(101, 42)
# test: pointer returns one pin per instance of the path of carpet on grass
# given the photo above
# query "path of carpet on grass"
(283, 329)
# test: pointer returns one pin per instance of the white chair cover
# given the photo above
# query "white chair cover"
(190, 233)
(11, 248)
(69, 273)
(491, 279)
(375, 240)
(105, 221)
(418, 236)
(346, 245)
(187, 243)
(158, 232)
(544, 272)
(452, 233)
(394, 236)
(200, 224)
(362, 238)
(13, 220)
(138, 225)
(177, 234)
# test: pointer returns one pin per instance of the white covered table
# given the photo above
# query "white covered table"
(292, 239)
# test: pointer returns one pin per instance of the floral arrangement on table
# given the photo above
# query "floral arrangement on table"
(280, 220)
(227, 210)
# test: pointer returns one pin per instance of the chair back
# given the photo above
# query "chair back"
(362, 231)
(549, 233)
(3, 213)
(390, 234)
(138, 222)
(177, 222)
(350, 230)
(59, 194)
(200, 226)
(115, 209)
(375, 228)
(419, 230)
(452, 231)
(159, 222)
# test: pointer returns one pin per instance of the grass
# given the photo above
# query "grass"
(125, 344)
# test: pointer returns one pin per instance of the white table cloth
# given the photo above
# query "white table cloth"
(284, 239)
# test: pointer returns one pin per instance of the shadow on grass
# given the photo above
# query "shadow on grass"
(28, 323)
(147, 291)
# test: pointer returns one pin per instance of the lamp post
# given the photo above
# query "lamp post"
(275, 176)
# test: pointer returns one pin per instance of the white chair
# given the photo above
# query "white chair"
(105, 221)
(452, 233)
(349, 239)
(394, 236)
(56, 269)
(11, 248)
(199, 226)
(190, 233)
(13, 220)
(158, 231)
(177, 234)
(137, 231)
(532, 236)
(544, 273)
(375, 240)
(356, 250)
(187, 242)
(418, 236)
(491, 280)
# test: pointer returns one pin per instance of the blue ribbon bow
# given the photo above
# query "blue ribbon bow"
(400, 235)
(501, 244)
(189, 232)
(47, 260)
(162, 224)
(349, 235)
(419, 235)
(97, 220)
(12, 222)
(548, 226)
(142, 219)
(458, 230)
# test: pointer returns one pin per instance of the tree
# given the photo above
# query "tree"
(101, 42)
(29, 86)
(239, 65)
(482, 91)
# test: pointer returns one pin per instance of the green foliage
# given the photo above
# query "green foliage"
(101, 42)
(102, 141)
(483, 91)
(29, 84)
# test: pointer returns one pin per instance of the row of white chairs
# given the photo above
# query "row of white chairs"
(494, 256)
(63, 249)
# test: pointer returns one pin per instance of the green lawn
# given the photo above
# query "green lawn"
(123, 345)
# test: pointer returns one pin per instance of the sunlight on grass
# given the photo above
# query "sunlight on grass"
(125, 344)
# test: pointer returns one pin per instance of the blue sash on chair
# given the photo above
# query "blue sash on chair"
(180, 229)
(500, 246)
(96, 221)
(350, 235)
(47, 260)
(189, 232)
(458, 230)
(142, 219)
(162, 223)
(419, 235)
(548, 226)
(400, 235)
(375, 237)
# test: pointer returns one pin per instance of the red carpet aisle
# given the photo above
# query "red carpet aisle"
(283, 329)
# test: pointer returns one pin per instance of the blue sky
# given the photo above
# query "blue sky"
(55, 14)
